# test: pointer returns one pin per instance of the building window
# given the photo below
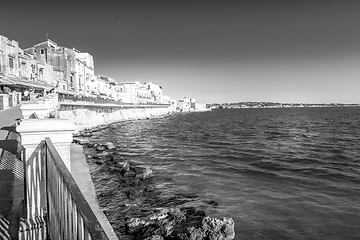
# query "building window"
(23, 70)
(41, 74)
(71, 81)
(11, 62)
(42, 51)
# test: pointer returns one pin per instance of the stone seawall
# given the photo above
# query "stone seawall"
(89, 116)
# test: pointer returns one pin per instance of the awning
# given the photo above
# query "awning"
(25, 83)
(42, 86)
(63, 91)
(21, 84)
(6, 82)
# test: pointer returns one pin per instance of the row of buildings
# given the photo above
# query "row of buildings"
(47, 65)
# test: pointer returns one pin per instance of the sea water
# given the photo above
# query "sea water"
(279, 173)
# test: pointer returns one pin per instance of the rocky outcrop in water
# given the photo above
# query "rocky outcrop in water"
(161, 223)
(210, 228)
(109, 146)
(171, 223)
(143, 211)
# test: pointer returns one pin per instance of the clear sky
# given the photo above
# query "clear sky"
(213, 51)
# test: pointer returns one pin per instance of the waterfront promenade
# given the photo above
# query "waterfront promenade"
(13, 124)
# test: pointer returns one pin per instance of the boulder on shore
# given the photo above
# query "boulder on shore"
(101, 155)
(146, 174)
(171, 223)
(210, 228)
(86, 134)
(109, 145)
(80, 141)
(158, 224)
(100, 148)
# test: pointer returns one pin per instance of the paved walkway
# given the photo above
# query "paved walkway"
(11, 168)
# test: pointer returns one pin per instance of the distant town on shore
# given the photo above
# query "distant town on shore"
(275, 105)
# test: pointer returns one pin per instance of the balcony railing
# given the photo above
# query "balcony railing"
(55, 207)
(9, 100)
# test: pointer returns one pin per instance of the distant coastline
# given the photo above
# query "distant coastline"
(275, 105)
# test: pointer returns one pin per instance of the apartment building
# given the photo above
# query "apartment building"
(156, 91)
(85, 79)
(22, 66)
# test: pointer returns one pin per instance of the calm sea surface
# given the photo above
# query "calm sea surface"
(279, 173)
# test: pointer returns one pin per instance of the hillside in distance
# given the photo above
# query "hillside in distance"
(275, 105)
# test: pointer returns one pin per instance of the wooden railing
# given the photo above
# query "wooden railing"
(55, 206)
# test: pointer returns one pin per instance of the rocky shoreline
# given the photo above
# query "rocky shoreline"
(136, 208)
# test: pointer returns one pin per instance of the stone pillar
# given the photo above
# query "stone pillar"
(60, 132)
(41, 109)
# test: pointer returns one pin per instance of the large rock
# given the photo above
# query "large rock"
(80, 141)
(86, 134)
(100, 148)
(129, 174)
(158, 224)
(101, 155)
(146, 174)
(125, 165)
(156, 237)
(169, 223)
(210, 228)
(109, 145)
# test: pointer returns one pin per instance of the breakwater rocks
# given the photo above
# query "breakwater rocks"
(137, 209)
(89, 116)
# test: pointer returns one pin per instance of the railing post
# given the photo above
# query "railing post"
(42, 107)
(60, 131)
(4, 101)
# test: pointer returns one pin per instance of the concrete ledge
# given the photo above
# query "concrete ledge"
(81, 175)
(41, 109)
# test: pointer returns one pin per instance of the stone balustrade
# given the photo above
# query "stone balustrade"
(60, 131)
(9, 100)
(42, 106)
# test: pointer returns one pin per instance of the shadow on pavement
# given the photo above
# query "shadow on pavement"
(10, 145)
